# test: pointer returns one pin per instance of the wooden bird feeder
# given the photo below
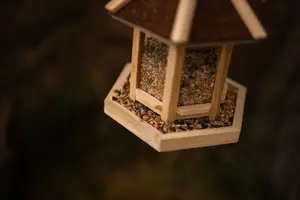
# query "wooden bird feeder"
(180, 58)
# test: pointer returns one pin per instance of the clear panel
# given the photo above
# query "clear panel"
(153, 67)
(198, 76)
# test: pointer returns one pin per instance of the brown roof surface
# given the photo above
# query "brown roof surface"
(218, 21)
(214, 21)
(156, 16)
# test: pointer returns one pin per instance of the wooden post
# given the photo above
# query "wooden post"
(222, 70)
(138, 39)
(172, 82)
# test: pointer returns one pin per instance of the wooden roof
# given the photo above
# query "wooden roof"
(193, 21)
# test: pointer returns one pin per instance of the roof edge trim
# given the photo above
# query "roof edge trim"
(183, 21)
(250, 19)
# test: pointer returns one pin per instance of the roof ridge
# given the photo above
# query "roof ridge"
(115, 5)
(250, 19)
(182, 25)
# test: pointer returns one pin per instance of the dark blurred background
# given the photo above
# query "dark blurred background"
(59, 59)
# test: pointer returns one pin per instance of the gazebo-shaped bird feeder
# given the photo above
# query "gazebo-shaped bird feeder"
(175, 94)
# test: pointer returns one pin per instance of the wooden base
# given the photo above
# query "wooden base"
(175, 141)
(183, 112)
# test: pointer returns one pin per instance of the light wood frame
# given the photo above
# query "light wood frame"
(172, 82)
(138, 38)
(168, 108)
(222, 71)
(175, 141)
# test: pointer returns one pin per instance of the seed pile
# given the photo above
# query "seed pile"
(198, 74)
(153, 67)
(224, 117)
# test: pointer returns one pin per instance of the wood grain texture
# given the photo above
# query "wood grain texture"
(183, 21)
(138, 38)
(149, 101)
(172, 82)
(250, 19)
(199, 138)
(214, 21)
(115, 5)
(154, 15)
(222, 70)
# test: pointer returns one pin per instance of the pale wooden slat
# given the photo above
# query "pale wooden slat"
(194, 109)
(250, 19)
(172, 82)
(115, 5)
(199, 138)
(192, 116)
(138, 38)
(222, 70)
(183, 21)
(149, 101)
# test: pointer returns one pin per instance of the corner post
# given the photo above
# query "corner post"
(222, 71)
(138, 38)
(172, 82)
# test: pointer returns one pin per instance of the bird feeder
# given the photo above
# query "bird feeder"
(175, 93)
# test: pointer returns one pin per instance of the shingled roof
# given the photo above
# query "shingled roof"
(192, 21)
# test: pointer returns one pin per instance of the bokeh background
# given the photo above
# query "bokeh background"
(59, 59)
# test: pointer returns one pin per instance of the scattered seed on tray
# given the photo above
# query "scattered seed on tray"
(224, 117)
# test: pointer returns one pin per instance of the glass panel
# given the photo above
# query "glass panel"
(153, 67)
(198, 76)
(198, 73)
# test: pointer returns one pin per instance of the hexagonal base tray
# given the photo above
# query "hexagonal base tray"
(175, 141)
